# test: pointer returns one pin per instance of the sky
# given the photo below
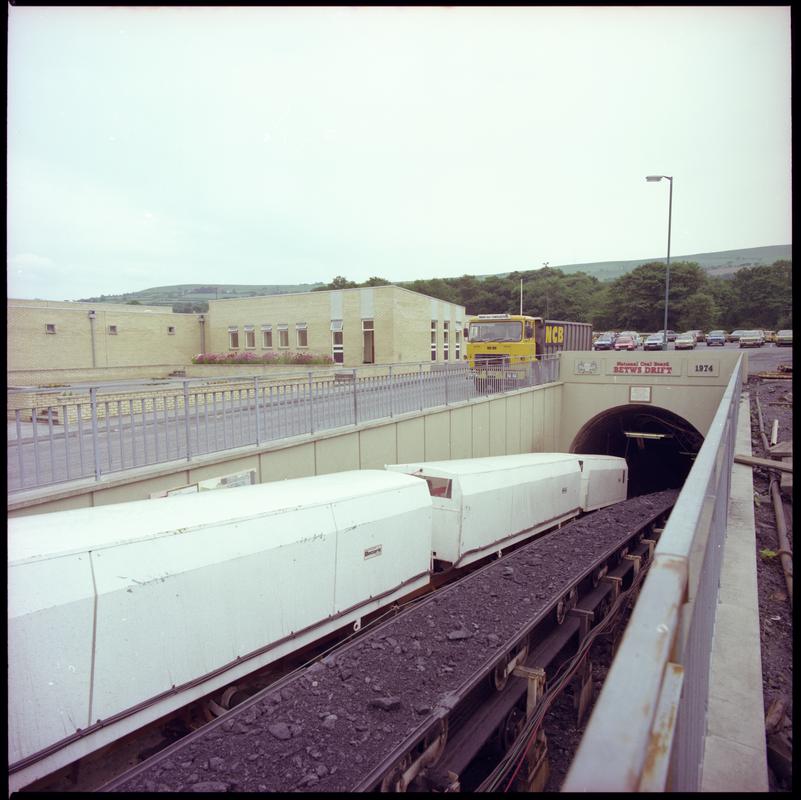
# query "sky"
(151, 146)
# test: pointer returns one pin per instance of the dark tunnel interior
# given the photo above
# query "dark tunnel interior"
(658, 445)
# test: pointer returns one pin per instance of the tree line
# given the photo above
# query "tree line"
(753, 297)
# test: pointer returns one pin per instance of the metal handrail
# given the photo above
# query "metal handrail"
(89, 431)
(646, 732)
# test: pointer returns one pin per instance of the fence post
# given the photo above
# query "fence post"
(95, 444)
(311, 410)
(421, 385)
(390, 391)
(186, 419)
(256, 406)
(355, 404)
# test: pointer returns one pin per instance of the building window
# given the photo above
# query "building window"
(301, 329)
(250, 337)
(458, 340)
(283, 335)
(171, 330)
(445, 333)
(233, 338)
(368, 341)
(433, 340)
(337, 347)
(112, 330)
(337, 342)
(50, 327)
(267, 336)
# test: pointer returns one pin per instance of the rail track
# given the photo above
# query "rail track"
(409, 703)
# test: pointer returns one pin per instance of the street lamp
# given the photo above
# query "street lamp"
(653, 178)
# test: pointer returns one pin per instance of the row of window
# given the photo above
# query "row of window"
(301, 336)
(337, 341)
(446, 330)
(112, 330)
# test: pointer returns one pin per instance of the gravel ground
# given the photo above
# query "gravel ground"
(775, 611)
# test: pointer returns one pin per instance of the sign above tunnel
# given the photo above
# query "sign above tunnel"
(655, 366)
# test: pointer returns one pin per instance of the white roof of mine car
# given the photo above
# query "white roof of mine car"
(475, 466)
(48, 535)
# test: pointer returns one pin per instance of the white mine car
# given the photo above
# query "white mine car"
(482, 505)
(119, 615)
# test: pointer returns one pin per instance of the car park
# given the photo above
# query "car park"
(603, 342)
(784, 338)
(625, 342)
(751, 339)
(715, 338)
(654, 342)
(685, 341)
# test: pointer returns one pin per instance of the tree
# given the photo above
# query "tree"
(699, 312)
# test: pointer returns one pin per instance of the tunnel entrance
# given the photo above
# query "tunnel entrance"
(658, 445)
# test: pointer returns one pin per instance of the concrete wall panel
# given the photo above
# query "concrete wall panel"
(513, 425)
(461, 432)
(377, 446)
(526, 421)
(438, 436)
(411, 440)
(218, 470)
(287, 462)
(481, 429)
(337, 453)
(497, 427)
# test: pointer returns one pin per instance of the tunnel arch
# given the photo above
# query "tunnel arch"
(658, 445)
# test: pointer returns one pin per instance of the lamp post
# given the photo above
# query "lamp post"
(667, 274)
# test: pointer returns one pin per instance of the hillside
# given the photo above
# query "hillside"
(724, 262)
(196, 293)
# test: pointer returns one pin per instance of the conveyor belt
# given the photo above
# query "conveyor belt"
(365, 713)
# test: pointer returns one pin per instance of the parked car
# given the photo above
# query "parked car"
(784, 338)
(685, 341)
(671, 335)
(653, 342)
(770, 336)
(734, 336)
(714, 338)
(699, 335)
(751, 339)
(603, 342)
(625, 342)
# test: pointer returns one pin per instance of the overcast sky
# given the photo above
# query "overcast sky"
(156, 146)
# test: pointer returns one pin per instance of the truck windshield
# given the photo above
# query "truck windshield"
(495, 331)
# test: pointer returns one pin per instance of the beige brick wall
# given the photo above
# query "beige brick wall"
(401, 319)
(142, 338)
(402, 322)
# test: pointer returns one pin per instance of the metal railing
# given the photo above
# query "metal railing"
(647, 729)
(71, 433)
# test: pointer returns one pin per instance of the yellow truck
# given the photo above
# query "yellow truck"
(505, 348)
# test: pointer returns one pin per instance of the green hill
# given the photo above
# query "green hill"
(723, 262)
(194, 296)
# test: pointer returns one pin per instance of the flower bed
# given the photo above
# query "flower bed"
(262, 358)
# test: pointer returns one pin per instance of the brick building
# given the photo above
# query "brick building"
(368, 325)
(371, 325)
